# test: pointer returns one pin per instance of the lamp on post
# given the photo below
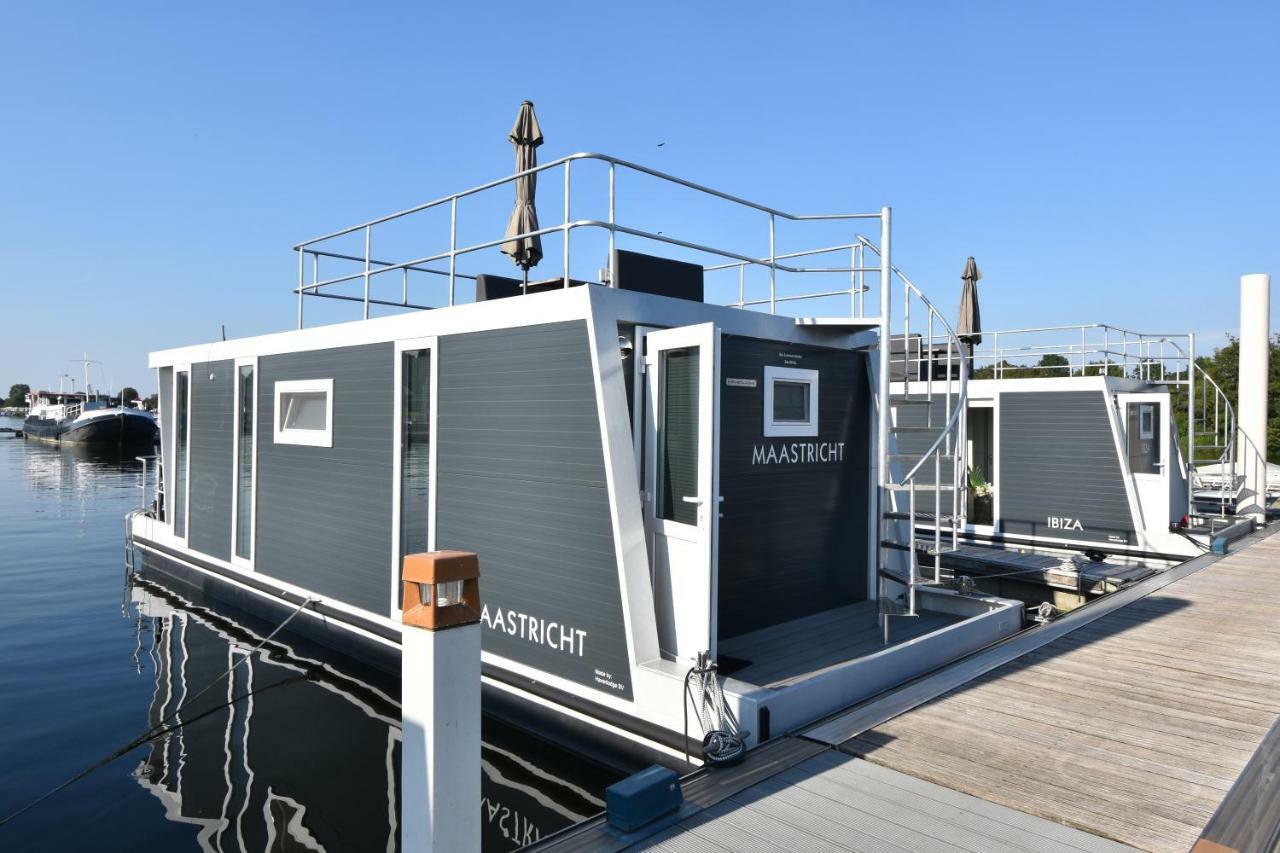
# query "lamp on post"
(441, 589)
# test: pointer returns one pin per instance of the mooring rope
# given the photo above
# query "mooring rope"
(722, 741)
(163, 727)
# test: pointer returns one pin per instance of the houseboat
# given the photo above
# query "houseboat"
(678, 465)
(1084, 438)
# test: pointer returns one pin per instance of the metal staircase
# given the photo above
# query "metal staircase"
(1213, 470)
(923, 476)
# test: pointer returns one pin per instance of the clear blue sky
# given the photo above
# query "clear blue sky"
(1104, 162)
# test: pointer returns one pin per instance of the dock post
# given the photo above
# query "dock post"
(440, 703)
(1255, 343)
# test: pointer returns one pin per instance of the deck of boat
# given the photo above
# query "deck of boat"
(1072, 572)
(785, 654)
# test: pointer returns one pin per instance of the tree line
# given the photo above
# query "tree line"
(18, 396)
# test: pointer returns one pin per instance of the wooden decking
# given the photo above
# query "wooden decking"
(784, 654)
(834, 803)
(1132, 727)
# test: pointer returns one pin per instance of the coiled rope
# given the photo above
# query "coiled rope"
(723, 742)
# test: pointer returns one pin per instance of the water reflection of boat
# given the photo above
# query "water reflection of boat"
(299, 752)
(74, 469)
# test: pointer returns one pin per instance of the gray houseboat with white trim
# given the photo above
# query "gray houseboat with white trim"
(655, 463)
(1078, 437)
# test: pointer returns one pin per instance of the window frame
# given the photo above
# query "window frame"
(304, 437)
(787, 429)
(237, 403)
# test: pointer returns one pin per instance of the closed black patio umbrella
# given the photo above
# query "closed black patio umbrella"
(969, 322)
(526, 136)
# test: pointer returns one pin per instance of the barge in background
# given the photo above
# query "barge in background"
(658, 484)
(88, 418)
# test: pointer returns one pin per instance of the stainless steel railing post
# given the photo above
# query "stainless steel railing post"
(301, 264)
(565, 226)
(773, 268)
(453, 246)
(368, 238)
(613, 230)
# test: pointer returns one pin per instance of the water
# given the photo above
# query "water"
(296, 750)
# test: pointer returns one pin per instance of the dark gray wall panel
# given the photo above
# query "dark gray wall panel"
(521, 482)
(324, 513)
(1058, 460)
(212, 457)
(793, 535)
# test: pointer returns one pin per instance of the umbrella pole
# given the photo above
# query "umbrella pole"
(524, 288)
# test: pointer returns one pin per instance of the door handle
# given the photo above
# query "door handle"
(692, 499)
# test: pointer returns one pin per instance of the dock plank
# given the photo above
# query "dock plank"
(836, 802)
(1133, 727)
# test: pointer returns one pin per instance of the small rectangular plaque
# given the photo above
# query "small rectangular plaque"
(739, 383)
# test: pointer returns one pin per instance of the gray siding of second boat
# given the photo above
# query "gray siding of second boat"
(324, 513)
(212, 458)
(521, 482)
(1058, 460)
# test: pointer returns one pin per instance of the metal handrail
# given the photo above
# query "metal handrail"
(371, 267)
(950, 441)
(1118, 347)
(1224, 427)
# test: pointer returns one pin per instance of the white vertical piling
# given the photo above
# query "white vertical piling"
(1255, 346)
(440, 704)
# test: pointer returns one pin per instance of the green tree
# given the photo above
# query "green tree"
(17, 394)
(127, 395)
(152, 403)
(1054, 360)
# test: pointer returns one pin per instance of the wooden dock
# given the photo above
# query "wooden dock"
(1148, 719)
(1133, 727)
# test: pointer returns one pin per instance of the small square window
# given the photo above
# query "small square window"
(304, 412)
(790, 402)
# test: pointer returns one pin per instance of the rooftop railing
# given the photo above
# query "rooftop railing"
(1090, 349)
(441, 263)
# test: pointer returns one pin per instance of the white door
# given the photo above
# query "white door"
(1147, 433)
(682, 505)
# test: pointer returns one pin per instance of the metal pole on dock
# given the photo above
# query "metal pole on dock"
(440, 703)
(1255, 334)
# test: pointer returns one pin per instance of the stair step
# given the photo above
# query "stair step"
(921, 487)
(915, 429)
(921, 517)
(893, 575)
(920, 455)
(914, 401)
